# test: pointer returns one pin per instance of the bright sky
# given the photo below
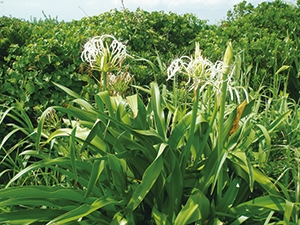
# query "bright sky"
(212, 10)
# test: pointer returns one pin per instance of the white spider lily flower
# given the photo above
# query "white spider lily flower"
(177, 65)
(103, 56)
(198, 70)
(202, 73)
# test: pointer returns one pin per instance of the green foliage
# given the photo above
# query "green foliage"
(18, 135)
(37, 53)
(109, 171)
(42, 57)
(177, 157)
(119, 160)
(268, 36)
(33, 54)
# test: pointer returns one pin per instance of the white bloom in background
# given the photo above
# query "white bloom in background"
(104, 53)
(197, 69)
(202, 73)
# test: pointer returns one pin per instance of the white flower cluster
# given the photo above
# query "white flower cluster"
(202, 73)
(98, 47)
(199, 70)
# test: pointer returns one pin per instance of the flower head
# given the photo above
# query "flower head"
(120, 83)
(198, 69)
(104, 53)
(202, 73)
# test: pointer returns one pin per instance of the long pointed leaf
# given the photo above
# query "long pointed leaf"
(97, 169)
(150, 176)
(28, 216)
(67, 90)
(83, 210)
(73, 153)
(159, 116)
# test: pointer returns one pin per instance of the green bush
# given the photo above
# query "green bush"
(268, 35)
(33, 54)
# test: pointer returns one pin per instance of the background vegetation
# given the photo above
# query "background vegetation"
(33, 54)
(75, 153)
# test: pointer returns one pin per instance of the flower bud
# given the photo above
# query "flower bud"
(227, 59)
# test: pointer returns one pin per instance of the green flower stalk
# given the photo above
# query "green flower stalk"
(104, 54)
(228, 56)
(224, 86)
(217, 79)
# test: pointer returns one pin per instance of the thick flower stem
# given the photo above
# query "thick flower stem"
(190, 140)
(220, 144)
(175, 98)
(103, 81)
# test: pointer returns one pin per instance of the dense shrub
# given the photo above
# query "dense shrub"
(146, 35)
(33, 54)
(268, 35)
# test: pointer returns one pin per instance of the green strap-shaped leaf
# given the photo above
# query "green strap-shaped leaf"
(72, 144)
(229, 197)
(5, 113)
(288, 211)
(159, 117)
(264, 136)
(253, 206)
(241, 167)
(150, 176)
(117, 173)
(109, 101)
(265, 205)
(179, 130)
(28, 216)
(43, 192)
(196, 209)
(78, 113)
(40, 128)
(53, 203)
(67, 90)
(84, 135)
(174, 179)
(94, 133)
(159, 217)
(139, 112)
(219, 170)
(87, 106)
(83, 210)
(97, 169)
(61, 161)
(278, 121)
